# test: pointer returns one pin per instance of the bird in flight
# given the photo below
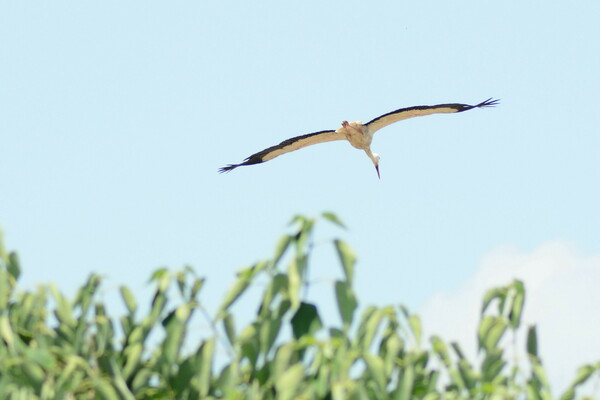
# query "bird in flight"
(358, 134)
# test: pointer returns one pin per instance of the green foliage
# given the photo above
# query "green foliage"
(52, 347)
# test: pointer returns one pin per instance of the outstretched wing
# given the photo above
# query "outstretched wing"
(286, 146)
(419, 111)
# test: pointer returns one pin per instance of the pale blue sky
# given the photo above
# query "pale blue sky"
(115, 116)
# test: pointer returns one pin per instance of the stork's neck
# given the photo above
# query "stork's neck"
(374, 157)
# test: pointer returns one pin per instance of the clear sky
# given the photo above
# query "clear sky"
(115, 116)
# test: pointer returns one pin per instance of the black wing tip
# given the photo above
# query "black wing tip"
(491, 102)
(253, 159)
(228, 168)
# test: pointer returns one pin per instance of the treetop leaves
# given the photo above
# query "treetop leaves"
(306, 320)
(52, 346)
(347, 259)
(334, 219)
(346, 301)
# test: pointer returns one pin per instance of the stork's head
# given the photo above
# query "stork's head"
(375, 158)
(376, 162)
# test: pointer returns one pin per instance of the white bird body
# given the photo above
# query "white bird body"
(359, 135)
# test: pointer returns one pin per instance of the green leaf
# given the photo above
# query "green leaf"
(141, 380)
(365, 317)
(569, 394)
(229, 325)
(491, 330)
(227, 382)
(347, 258)
(295, 273)
(433, 377)
(306, 321)
(245, 277)
(42, 357)
(183, 381)
(175, 325)
(34, 373)
(197, 286)
(540, 374)
(518, 302)
(376, 368)
(371, 324)
(85, 294)
(297, 219)
(458, 350)
(407, 381)
(6, 285)
(281, 247)
(180, 278)
(496, 293)
(249, 342)
(268, 332)
(304, 233)
(456, 378)
(158, 275)
(346, 302)
(14, 266)
(583, 374)
(289, 383)
(492, 365)
(6, 331)
(70, 374)
(279, 284)
(336, 333)
(104, 390)
(128, 298)
(284, 307)
(158, 304)
(206, 351)
(334, 219)
(390, 351)
(415, 325)
(283, 359)
(63, 309)
(495, 334)
(133, 355)
(440, 348)
(234, 293)
(470, 377)
(119, 382)
(414, 322)
(3, 255)
(322, 383)
(532, 346)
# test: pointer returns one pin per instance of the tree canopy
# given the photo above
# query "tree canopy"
(53, 347)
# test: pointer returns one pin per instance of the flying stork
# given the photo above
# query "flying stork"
(358, 134)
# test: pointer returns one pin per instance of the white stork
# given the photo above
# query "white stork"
(358, 134)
